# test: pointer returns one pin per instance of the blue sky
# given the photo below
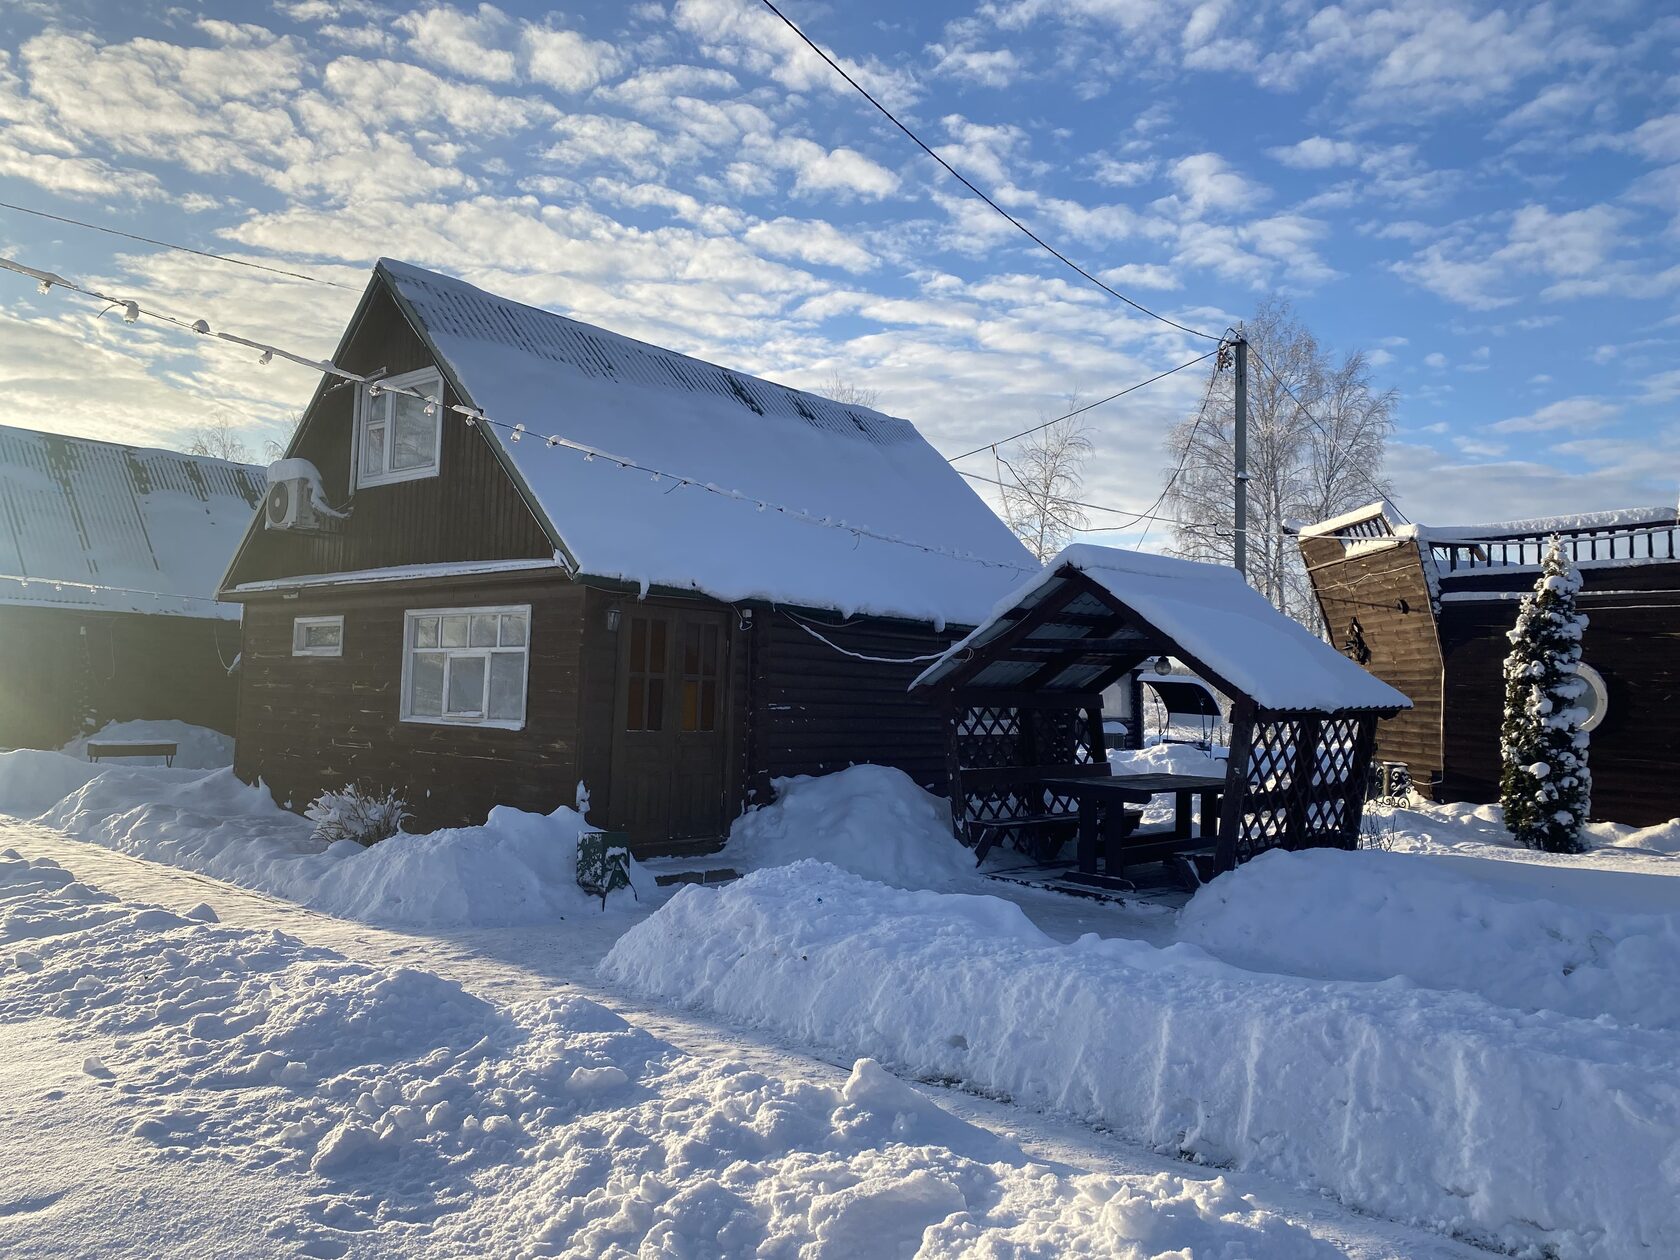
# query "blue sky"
(1485, 200)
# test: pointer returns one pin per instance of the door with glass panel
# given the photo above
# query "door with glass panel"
(668, 753)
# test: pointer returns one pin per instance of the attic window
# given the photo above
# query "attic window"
(395, 439)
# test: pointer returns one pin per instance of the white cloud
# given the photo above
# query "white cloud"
(988, 67)
(1207, 182)
(1141, 276)
(566, 60)
(1317, 153)
(1123, 174)
(841, 172)
(1576, 415)
(470, 43)
(812, 241)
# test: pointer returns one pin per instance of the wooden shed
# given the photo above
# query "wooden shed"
(704, 582)
(1427, 608)
(1021, 696)
(109, 559)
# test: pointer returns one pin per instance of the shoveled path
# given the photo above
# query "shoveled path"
(512, 964)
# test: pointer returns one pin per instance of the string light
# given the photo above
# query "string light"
(473, 416)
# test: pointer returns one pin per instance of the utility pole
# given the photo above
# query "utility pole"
(1241, 545)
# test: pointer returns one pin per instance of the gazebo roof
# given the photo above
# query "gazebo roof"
(1094, 613)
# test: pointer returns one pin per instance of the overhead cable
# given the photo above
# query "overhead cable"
(966, 183)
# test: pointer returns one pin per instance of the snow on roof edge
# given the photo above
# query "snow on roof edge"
(1634, 516)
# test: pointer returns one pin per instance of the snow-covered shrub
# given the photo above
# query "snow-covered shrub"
(1545, 786)
(365, 815)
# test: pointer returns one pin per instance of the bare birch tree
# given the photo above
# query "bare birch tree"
(219, 439)
(1042, 477)
(849, 393)
(1301, 466)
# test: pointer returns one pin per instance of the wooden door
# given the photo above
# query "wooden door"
(669, 749)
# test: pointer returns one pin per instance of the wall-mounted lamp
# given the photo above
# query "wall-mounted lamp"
(612, 618)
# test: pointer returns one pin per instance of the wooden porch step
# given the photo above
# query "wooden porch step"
(676, 848)
(715, 875)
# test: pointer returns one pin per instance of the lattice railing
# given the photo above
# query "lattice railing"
(992, 741)
(1303, 784)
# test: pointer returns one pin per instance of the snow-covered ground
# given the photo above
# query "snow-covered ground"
(1454, 1031)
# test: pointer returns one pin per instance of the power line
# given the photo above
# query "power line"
(1100, 507)
(185, 249)
(962, 179)
(1077, 411)
(1189, 442)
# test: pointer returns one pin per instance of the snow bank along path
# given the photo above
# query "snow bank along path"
(516, 867)
(1521, 1131)
(1581, 942)
(417, 1119)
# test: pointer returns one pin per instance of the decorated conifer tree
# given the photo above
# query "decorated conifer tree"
(1545, 786)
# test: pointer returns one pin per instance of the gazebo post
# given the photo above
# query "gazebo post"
(1236, 784)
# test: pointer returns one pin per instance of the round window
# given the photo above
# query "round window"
(1597, 699)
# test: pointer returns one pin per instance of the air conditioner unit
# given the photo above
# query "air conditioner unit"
(294, 500)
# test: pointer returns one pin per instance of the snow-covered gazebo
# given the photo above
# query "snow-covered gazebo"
(1022, 695)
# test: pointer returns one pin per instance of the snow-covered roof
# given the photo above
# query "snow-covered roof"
(1219, 625)
(1620, 518)
(79, 517)
(846, 464)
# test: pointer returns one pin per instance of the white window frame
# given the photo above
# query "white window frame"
(301, 624)
(412, 615)
(1595, 684)
(375, 405)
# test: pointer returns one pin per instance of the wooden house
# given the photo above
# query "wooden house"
(109, 560)
(1428, 607)
(592, 566)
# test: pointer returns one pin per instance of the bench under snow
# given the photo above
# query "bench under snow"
(100, 749)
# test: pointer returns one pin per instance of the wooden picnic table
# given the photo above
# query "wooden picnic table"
(99, 749)
(1106, 827)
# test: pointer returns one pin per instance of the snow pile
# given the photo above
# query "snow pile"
(1584, 943)
(516, 867)
(1467, 828)
(196, 747)
(401, 1115)
(1167, 759)
(870, 820)
(1525, 1132)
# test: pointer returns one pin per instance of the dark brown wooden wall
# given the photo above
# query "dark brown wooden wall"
(65, 671)
(815, 710)
(1405, 651)
(471, 511)
(311, 723)
(1635, 752)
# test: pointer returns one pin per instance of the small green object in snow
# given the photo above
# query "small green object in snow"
(603, 863)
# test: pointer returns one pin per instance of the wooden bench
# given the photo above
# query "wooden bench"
(100, 749)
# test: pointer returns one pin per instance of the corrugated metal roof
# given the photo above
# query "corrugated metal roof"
(453, 309)
(159, 525)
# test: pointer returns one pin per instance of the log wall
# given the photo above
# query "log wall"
(1387, 593)
(307, 724)
(67, 671)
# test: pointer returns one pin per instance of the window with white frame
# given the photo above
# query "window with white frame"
(317, 636)
(466, 666)
(396, 440)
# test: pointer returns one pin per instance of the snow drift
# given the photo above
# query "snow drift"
(870, 820)
(1581, 942)
(1522, 1131)
(413, 1118)
(517, 867)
